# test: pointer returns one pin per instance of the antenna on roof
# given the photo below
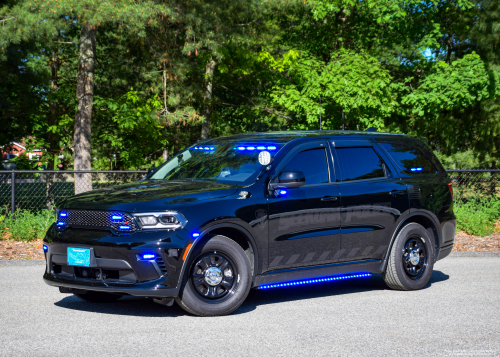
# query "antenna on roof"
(342, 120)
(320, 112)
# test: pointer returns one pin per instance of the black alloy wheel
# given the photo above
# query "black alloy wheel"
(213, 276)
(414, 257)
(411, 259)
(217, 279)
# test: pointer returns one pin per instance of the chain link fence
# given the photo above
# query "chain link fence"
(469, 184)
(36, 190)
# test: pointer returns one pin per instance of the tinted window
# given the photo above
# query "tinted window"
(312, 163)
(359, 164)
(409, 158)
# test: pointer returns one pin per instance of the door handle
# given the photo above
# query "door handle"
(396, 192)
(329, 198)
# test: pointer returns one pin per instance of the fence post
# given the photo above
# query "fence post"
(13, 190)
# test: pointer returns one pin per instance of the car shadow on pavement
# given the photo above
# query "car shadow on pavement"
(135, 306)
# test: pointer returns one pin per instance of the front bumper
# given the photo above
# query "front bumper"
(115, 266)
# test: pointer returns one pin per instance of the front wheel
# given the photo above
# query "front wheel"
(411, 260)
(218, 278)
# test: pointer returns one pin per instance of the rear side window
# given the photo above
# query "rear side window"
(359, 164)
(409, 158)
(313, 164)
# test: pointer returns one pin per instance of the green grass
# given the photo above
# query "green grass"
(478, 216)
(25, 225)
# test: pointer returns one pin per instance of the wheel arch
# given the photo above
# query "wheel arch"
(426, 221)
(234, 232)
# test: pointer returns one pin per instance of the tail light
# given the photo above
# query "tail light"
(451, 189)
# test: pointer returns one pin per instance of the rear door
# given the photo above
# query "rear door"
(304, 225)
(373, 197)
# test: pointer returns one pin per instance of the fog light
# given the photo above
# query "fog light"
(45, 248)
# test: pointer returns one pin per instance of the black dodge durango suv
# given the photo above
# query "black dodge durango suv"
(263, 211)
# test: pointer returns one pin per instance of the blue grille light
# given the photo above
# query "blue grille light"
(148, 256)
(416, 169)
(63, 214)
(61, 223)
(125, 228)
(116, 217)
(317, 280)
(45, 248)
(271, 148)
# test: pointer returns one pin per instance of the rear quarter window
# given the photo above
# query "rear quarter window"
(409, 158)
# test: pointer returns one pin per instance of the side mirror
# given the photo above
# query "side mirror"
(291, 179)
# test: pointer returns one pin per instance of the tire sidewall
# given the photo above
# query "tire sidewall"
(414, 229)
(189, 298)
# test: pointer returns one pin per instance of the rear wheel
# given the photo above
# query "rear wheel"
(97, 296)
(218, 279)
(411, 260)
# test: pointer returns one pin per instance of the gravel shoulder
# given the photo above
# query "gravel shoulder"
(454, 315)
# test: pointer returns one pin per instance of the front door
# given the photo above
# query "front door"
(372, 200)
(304, 225)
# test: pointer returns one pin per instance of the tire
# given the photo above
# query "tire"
(98, 297)
(407, 268)
(210, 291)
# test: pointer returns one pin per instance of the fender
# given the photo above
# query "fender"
(432, 218)
(205, 233)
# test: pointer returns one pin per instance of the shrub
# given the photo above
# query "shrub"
(25, 225)
(478, 216)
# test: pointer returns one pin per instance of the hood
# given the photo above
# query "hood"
(150, 195)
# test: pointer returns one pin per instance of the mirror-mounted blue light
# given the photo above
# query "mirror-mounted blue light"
(148, 256)
(61, 224)
(283, 192)
(125, 228)
(45, 248)
(196, 235)
(413, 169)
(63, 214)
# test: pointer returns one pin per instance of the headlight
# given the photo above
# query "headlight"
(161, 220)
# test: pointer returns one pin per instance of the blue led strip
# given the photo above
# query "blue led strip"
(317, 280)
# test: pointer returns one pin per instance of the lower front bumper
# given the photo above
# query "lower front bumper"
(149, 289)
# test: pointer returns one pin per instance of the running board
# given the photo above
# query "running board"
(330, 272)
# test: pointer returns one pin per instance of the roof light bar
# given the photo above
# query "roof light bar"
(317, 280)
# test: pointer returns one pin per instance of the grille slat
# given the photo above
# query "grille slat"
(90, 219)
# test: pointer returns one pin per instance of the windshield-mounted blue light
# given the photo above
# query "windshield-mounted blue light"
(241, 148)
(45, 248)
(61, 224)
(271, 148)
(125, 228)
(196, 235)
(116, 217)
(416, 169)
(251, 148)
(148, 256)
(261, 148)
(63, 214)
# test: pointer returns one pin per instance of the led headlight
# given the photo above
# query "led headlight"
(161, 220)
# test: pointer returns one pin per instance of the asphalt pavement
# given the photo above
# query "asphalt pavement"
(457, 314)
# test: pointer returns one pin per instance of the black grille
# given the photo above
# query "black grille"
(89, 219)
(161, 265)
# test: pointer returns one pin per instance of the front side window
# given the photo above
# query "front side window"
(409, 159)
(229, 162)
(360, 164)
(313, 164)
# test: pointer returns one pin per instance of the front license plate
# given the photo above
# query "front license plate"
(79, 257)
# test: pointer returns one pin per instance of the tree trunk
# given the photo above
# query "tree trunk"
(53, 149)
(84, 95)
(207, 106)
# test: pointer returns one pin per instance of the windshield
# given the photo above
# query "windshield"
(225, 162)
